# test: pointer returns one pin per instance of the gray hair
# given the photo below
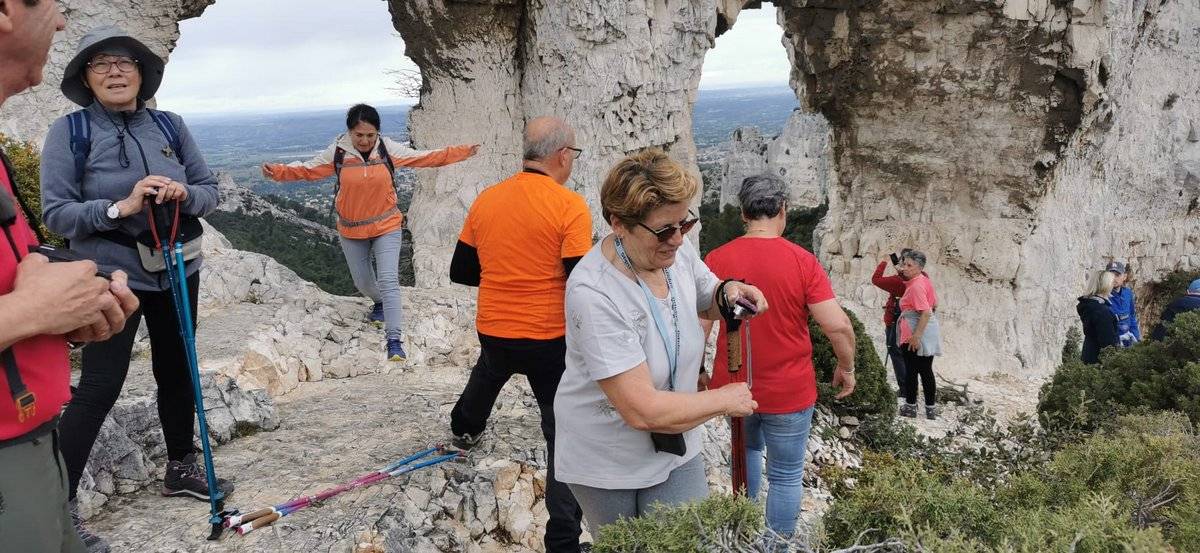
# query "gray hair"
(544, 136)
(916, 256)
(762, 196)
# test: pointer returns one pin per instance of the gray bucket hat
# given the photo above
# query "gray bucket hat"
(95, 42)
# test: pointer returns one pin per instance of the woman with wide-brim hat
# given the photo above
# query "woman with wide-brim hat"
(107, 172)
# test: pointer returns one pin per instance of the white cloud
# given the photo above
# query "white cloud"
(271, 55)
(749, 53)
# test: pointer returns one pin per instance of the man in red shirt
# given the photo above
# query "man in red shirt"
(784, 382)
(42, 306)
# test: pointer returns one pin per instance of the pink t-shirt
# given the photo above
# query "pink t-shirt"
(918, 296)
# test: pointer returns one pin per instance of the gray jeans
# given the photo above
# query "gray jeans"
(685, 484)
(379, 281)
(34, 514)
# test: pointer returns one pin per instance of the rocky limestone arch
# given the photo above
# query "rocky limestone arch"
(1029, 140)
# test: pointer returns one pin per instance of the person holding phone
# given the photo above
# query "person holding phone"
(628, 410)
(894, 286)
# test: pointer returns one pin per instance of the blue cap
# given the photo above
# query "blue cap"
(1194, 286)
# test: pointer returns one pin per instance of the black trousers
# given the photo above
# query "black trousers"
(915, 365)
(105, 365)
(543, 362)
(892, 339)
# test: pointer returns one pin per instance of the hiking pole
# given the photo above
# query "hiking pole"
(733, 343)
(177, 277)
(237, 520)
(267, 516)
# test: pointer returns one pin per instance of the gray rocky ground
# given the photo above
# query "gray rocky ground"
(300, 398)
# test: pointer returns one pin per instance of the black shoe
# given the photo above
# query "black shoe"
(466, 441)
(187, 478)
(931, 412)
(585, 547)
(908, 410)
(91, 542)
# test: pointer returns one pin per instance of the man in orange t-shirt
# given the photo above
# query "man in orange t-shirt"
(519, 243)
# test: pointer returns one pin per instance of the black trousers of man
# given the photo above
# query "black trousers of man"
(543, 363)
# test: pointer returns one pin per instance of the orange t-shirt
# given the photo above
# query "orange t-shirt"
(522, 229)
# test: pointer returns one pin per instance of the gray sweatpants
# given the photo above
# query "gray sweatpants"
(34, 515)
(685, 484)
(379, 281)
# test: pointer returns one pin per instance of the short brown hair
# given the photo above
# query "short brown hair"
(641, 183)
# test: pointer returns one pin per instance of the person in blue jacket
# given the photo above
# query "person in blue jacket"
(1183, 304)
(1122, 304)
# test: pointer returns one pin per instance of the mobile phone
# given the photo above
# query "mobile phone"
(895, 260)
(742, 306)
(64, 255)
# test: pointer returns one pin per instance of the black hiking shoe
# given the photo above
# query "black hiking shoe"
(186, 478)
(466, 441)
(92, 543)
(931, 412)
(908, 410)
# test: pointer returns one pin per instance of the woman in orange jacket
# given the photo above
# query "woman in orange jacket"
(368, 219)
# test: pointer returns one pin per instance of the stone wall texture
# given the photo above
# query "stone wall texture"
(1020, 143)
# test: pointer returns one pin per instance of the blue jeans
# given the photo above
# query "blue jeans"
(786, 439)
(380, 280)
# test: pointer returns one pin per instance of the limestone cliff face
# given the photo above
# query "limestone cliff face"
(801, 155)
(156, 23)
(623, 73)
(1018, 142)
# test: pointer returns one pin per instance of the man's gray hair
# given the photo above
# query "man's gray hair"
(762, 196)
(918, 257)
(544, 136)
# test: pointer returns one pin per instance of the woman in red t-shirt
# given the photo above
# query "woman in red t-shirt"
(784, 383)
(920, 334)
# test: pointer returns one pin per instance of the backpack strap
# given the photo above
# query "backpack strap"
(168, 129)
(387, 159)
(80, 124)
(339, 159)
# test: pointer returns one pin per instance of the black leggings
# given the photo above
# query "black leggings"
(105, 365)
(918, 365)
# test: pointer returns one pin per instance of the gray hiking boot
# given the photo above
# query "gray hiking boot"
(931, 412)
(92, 543)
(908, 410)
(187, 478)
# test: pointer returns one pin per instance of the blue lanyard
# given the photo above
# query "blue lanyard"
(672, 354)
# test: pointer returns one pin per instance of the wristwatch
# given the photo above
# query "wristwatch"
(114, 211)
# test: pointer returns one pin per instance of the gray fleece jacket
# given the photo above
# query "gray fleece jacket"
(76, 207)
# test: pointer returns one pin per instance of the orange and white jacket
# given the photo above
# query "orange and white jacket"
(366, 201)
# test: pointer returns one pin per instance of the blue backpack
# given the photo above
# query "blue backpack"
(80, 124)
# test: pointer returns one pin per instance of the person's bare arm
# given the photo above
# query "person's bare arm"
(836, 326)
(651, 410)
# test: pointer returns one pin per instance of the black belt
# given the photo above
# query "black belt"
(41, 431)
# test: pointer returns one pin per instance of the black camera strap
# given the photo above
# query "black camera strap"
(23, 399)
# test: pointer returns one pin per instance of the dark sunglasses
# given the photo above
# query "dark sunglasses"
(668, 232)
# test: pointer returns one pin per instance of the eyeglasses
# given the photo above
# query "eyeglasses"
(578, 151)
(102, 67)
(668, 232)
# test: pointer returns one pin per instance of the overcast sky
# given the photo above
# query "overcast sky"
(313, 55)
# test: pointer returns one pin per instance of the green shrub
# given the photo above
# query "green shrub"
(26, 168)
(1073, 345)
(1132, 487)
(731, 520)
(1156, 376)
(873, 396)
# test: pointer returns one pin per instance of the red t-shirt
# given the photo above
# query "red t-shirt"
(42, 360)
(792, 279)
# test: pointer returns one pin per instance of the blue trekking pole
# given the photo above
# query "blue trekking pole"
(177, 277)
